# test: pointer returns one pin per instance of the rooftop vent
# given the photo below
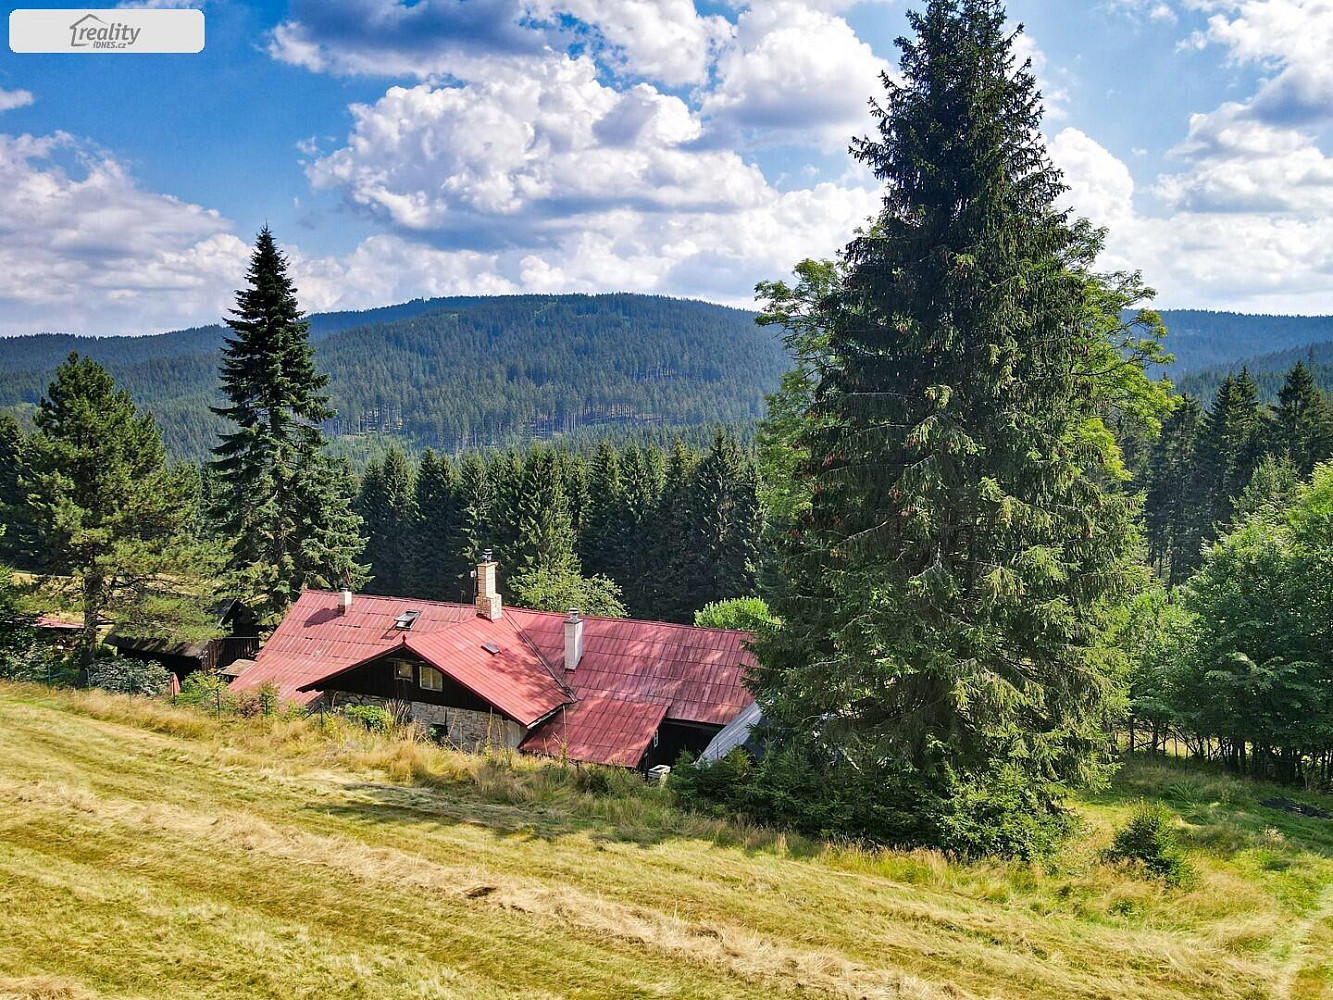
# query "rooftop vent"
(406, 620)
(490, 647)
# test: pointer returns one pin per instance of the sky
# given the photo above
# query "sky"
(678, 147)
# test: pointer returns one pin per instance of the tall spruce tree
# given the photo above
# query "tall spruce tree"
(16, 544)
(644, 545)
(944, 638)
(1304, 421)
(1232, 443)
(720, 523)
(440, 565)
(545, 532)
(110, 512)
(600, 534)
(1173, 527)
(387, 506)
(282, 503)
(476, 498)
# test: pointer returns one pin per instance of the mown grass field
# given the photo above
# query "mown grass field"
(147, 851)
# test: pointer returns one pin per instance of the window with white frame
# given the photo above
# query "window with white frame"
(429, 678)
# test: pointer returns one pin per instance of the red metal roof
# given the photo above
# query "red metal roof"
(315, 640)
(599, 729)
(700, 672)
(515, 680)
(691, 674)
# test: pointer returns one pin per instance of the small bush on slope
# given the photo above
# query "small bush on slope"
(1149, 839)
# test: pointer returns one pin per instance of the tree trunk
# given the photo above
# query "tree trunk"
(93, 586)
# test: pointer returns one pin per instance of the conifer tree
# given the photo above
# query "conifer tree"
(504, 474)
(1304, 421)
(1231, 445)
(1173, 527)
(441, 563)
(719, 525)
(545, 533)
(943, 625)
(16, 544)
(475, 499)
(600, 533)
(110, 512)
(642, 544)
(279, 500)
(387, 507)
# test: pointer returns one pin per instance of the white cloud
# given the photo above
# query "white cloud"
(663, 40)
(575, 185)
(1157, 11)
(393, 38)
(83, 248)
(384, 269)
(1289, 39)
(11, 99)
(794, 70)
(1252, 260)
(524, 154)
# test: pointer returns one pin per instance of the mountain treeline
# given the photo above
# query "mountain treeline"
(650, 532)
(1209, 468)
(468, 373)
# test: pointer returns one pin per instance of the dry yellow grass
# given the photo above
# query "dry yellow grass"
(149, 851)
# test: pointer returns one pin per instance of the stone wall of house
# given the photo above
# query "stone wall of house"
(465, 729)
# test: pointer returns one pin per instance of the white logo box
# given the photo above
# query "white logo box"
(103, 31)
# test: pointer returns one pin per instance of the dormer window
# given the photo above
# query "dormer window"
(406, 620)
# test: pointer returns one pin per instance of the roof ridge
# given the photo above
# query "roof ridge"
(537, 611)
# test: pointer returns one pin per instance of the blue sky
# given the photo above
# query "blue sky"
(675, 146)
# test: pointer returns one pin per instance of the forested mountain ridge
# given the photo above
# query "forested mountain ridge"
(454, 373)
(464, 371)
(46, 350)
(1201, 339)
(1267, 370)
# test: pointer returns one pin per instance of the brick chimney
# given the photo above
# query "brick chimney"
(489, 604)
(573, 639)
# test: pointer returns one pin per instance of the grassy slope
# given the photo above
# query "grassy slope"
(148, 852)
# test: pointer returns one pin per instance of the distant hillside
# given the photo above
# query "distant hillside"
(1200, 339)
(464, 371)
(46, 350)
(1268, 371)
(460, 372)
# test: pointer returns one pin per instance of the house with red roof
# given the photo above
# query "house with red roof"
(600, 690)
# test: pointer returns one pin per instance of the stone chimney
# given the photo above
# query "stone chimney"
(573, 639)
(488, 601)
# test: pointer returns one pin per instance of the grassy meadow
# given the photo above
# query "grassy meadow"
(149, 851)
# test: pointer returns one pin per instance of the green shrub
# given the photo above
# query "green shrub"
(1149, 840)
(804, 787)
(749, 614)
(37, 664)
(601, 780)
(126, 675)
(206, 690)
(373, 717)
